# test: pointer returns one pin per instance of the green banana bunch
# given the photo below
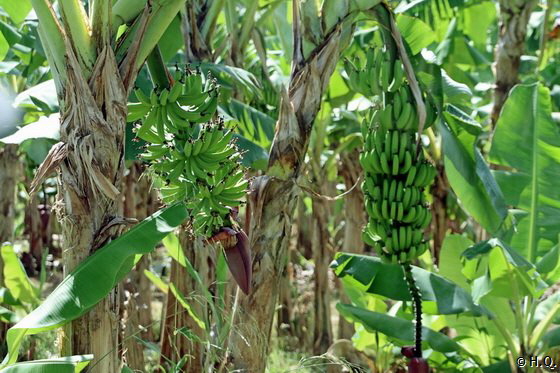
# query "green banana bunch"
(192, 155)
(396, 175)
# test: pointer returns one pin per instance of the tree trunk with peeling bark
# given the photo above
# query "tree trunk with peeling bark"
(92, 85)
(92, 130)
(273, 197)
(322, 328)
(514, 17)
(354, 221)
(8, 183)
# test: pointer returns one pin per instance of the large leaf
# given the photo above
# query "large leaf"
(94, 278)
(417, 34)
(17, 10)
(471, 179)
(506, 273)
(16, 279)
(43, 93)
(477, 19)
(71, 364)
(450, 263)
(370, 274)
(253, 124)
(528, 142)
(242, 77)
(399, 330)
(45, 127)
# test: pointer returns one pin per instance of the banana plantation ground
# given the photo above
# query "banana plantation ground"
(279, 186)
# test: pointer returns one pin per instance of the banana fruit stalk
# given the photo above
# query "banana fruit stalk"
(395, 175)
(193, 156)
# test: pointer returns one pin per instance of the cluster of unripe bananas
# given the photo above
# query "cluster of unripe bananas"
(193, 156)
(396, 171)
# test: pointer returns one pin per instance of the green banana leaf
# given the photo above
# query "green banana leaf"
(77, 293)
(370, 274)
(471, 179)
(418, 35)
(72, 364)
(531, 183)
(253, 124)
(505, 273)
(16, 279)
(400, 331)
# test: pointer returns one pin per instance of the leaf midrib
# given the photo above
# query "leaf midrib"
(534, 183)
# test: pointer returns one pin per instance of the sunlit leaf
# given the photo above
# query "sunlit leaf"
(77, 293)
(15, 278)
(527, 141)
(72, 364)
(370, 274)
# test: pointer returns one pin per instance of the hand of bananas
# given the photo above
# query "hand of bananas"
(194, 157)
(395, 175)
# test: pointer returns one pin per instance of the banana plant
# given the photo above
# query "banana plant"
(94, 63)
(508, 275)
(76, 294)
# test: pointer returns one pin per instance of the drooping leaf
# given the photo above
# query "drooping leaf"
(465, 121)
(507, 273)
(455, 92)
(253, 124)
(7, 298)
(549, 261)
(45, 92)
(71, 364)
(157, 281)
(399, 330)
(46, 127)
(16, 279)
(477, 19)
(417, 34)
(7, 316)
(450, 264)
(526, 125)
(463, 171)
(371, 275)
(77, 293)
(235, 74)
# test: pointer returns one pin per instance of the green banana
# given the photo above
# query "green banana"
(395, 173)
(398, 75)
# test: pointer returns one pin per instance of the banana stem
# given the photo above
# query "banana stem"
(100, 23)
(161, 16)
(125, 11)
(77, 26)
(417, 305)
(52, 37)
(158, 71)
